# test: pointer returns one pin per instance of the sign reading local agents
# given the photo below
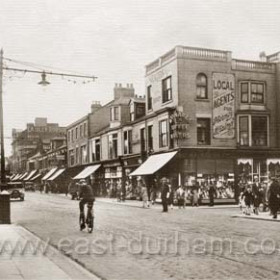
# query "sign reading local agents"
(223, 106)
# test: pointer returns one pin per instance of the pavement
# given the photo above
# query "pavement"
(24, 256)
(263, 216)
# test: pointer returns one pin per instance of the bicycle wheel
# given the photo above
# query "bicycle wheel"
(82, 221)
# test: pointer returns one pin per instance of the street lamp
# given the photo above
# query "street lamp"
(43, 82)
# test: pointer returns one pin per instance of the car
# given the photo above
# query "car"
(16, 190)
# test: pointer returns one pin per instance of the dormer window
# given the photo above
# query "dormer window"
(114, 114)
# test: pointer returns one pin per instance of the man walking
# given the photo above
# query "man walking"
(164, 194)
(273, 197)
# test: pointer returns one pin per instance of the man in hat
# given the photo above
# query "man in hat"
(164, 194)
(87, 197)
(274, 197)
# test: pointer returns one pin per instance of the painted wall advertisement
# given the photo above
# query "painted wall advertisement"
(223, 106)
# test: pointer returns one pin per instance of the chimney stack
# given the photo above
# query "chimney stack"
(120, 91)
(95, 105)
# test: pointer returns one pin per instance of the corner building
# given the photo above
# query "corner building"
(218, 115)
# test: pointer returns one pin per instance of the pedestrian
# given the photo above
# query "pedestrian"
(274, 197)
(153, 193)
(171, 197)
(212, 193)
(144, 193)
(164, 194)
(195, 196)
(256, 195)
(248, 199)
(180, 194)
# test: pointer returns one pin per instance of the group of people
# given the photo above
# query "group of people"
(253, 195)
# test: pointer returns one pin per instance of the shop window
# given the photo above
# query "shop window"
(166, 90)
(203, 131)
(149, 97)
(127, 136)
(252, 92)
(163, 139)
(114, 113)
(143, 139)
(244, 131)
(259, 131)
(201, 86)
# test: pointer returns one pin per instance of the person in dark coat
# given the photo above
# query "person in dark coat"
(211, 192)
(164, 194)
(274, 197)
(248, 199)
(257, 196)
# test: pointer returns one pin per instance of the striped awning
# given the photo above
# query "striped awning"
(87, 171)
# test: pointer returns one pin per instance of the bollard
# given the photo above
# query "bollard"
(5, 208)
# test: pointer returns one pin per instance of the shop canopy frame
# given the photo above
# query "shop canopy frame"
(56, 174)
(49, 174)
(87, 171)
(153, 164)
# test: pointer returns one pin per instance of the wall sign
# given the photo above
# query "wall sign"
(223, 106)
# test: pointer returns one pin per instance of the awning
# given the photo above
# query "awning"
(11, 178)
(153, 164)
(87, 171)
(272, 161)
(245, 161)
(35, 177)
(49, 174)
(23, 176)
(56, 174)
(16, 177)
(30, 175)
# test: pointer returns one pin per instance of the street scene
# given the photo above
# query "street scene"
(139, 139)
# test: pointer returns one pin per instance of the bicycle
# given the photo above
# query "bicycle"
(89, 221)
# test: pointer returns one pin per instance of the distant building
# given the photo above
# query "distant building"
(36, 138)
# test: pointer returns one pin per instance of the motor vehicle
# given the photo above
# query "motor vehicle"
(16, 190)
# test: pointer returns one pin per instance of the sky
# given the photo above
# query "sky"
(114, 40)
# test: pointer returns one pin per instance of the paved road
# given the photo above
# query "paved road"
(135, 243)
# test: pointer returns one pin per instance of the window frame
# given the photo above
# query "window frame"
(166, 89)
(206, 130)
(163, 142)
(200, 85)
(149, 98)
(250, 100)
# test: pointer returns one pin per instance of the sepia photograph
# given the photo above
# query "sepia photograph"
(139, 140)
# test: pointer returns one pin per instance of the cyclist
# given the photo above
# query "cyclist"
(87, 197)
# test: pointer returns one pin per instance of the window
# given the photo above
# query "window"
(252, 92)
(149, 97)
(259, 131)
(77, 155)
(113, 146)
(85, 129)
(253, 131)
(150, 137)
(71, 157)
(163, 142)
(81, 130)
(114, 113)
(203, 131)
(69, 136)
(83, 154)
(244, 131)
(72, 135)
(143, 139)
(166, 90)
(127, 137)
(97, 149)
(76, 132)
(201, 86)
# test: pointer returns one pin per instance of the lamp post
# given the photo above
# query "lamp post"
(43, 83)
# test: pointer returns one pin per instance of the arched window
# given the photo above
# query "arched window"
(201, 86)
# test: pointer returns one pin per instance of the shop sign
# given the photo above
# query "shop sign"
(179, 123)
(223, 106)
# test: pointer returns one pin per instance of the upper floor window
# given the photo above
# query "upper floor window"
(85, 129)
(81, 130)
(201, 86)
(127, 137)
(203, 131)
(163, 139)
(69, 136)
(166, 89)
(113, 146)
(143, 139)
(252, 92)
(76, 132)
(149, 98)
(97, 149)
(150, 137)
(253, 130)
(114, 114)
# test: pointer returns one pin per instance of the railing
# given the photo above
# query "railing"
(252, 65)
(205, 53)
(273, 57)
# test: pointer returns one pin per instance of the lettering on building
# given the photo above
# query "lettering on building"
(223, 106)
